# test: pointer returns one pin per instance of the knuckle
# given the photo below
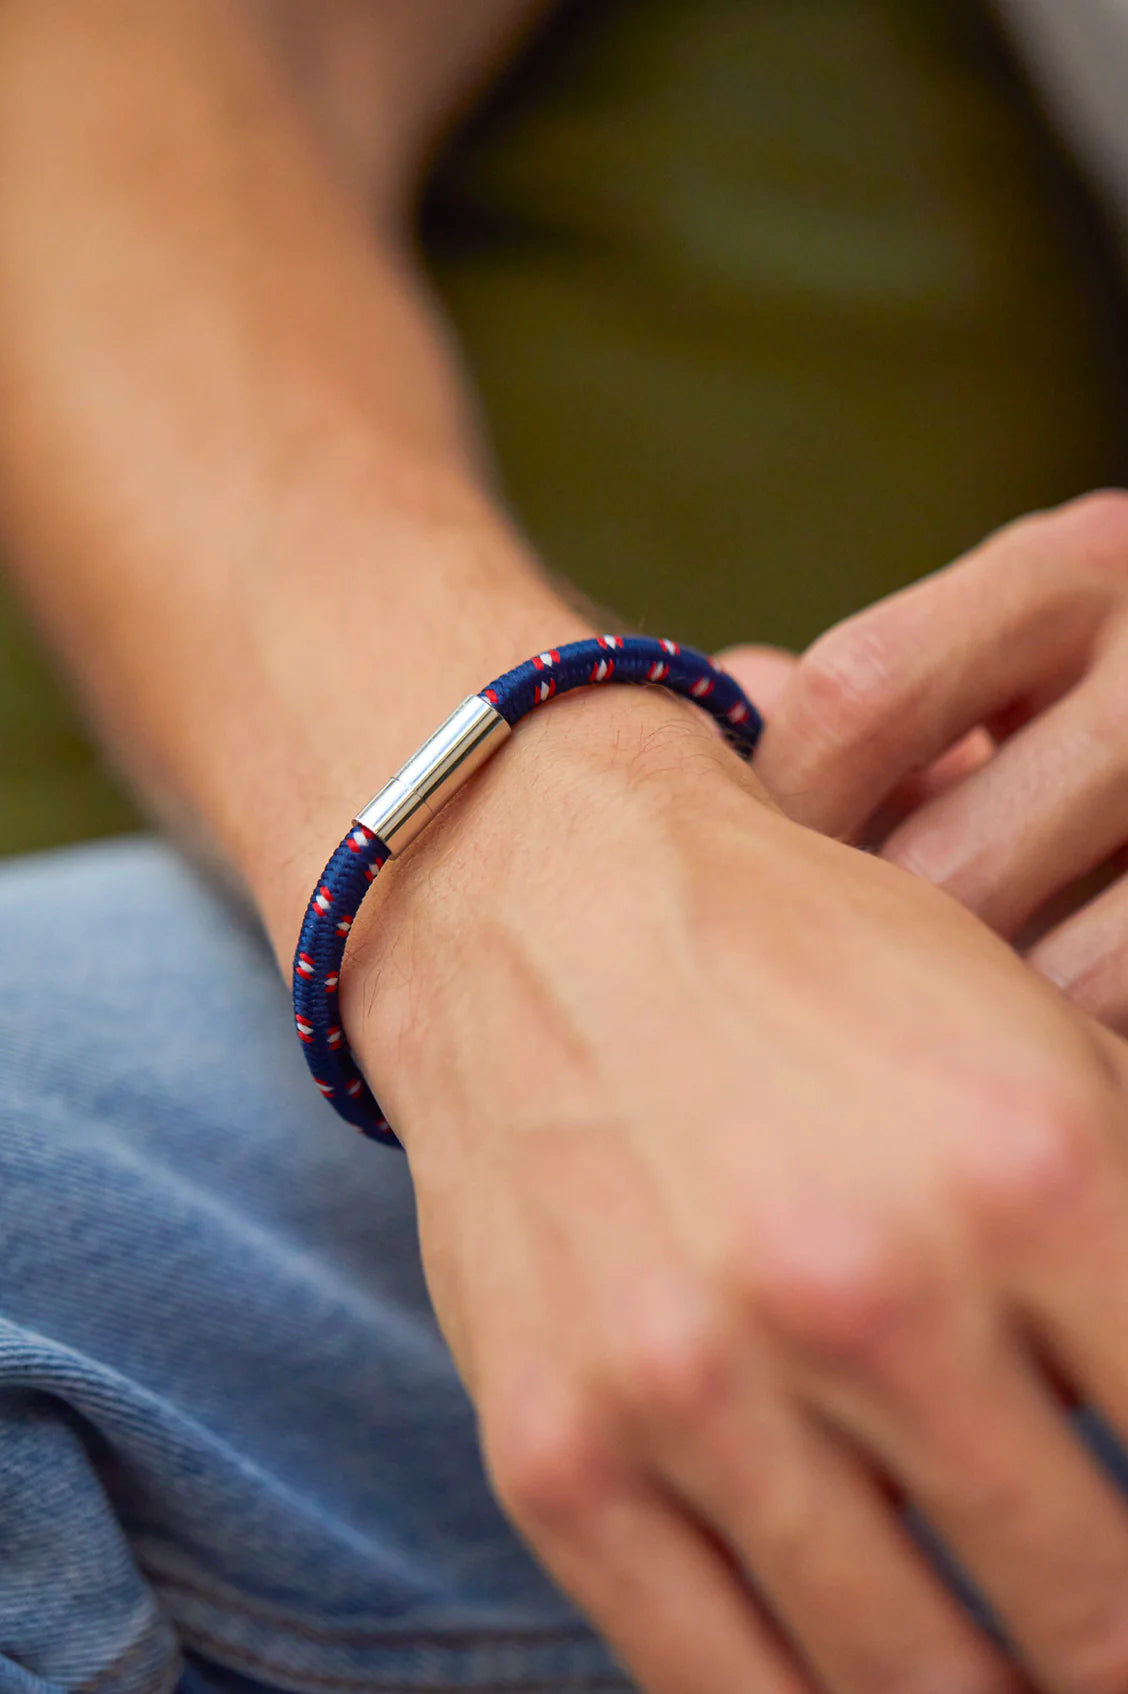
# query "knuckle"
(1037, 1164)
(677, 1374)
(856, 1311)
(1098, 526)
(549, 1468)
(849, 677)
(1101, 509)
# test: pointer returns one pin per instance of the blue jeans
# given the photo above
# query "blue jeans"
(229, 1426)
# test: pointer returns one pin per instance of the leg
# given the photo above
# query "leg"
(229, 1421)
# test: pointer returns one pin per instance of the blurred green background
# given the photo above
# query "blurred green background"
(773, 304)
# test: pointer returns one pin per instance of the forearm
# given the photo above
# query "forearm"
(237, 475)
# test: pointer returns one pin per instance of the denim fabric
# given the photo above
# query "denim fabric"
(228, 1422)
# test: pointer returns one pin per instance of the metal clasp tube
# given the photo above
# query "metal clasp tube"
(421, 787)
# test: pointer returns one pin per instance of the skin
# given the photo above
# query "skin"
(760, 1185)
(1014, 657)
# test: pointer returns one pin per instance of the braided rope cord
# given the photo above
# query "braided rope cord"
(356, 863)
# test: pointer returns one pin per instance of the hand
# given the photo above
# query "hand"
(766, 673)
(759, 1187)
(1017, 657)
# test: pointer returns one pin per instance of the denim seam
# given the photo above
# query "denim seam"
(239, 1657)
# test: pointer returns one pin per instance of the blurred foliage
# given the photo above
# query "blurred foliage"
(776, 304)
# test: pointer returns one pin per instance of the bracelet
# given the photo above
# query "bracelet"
(415, 794)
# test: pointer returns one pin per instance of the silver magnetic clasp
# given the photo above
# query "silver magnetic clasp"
(421, 787)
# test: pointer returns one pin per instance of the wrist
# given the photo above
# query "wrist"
(415, 607)
(589, 757)
(602, 785)
(641, 737)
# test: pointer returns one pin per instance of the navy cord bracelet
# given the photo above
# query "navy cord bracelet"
(413, 796)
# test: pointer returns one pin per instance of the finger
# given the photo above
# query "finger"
(666, 1597)
(1072, 898)
(977, 1438)
(1068, 1259)
(656, 1583)
(762, 672)
(968, 756)
(1087, 957)
(1050, 806)
(963, 760)
(889, 690)
(828, 1554)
